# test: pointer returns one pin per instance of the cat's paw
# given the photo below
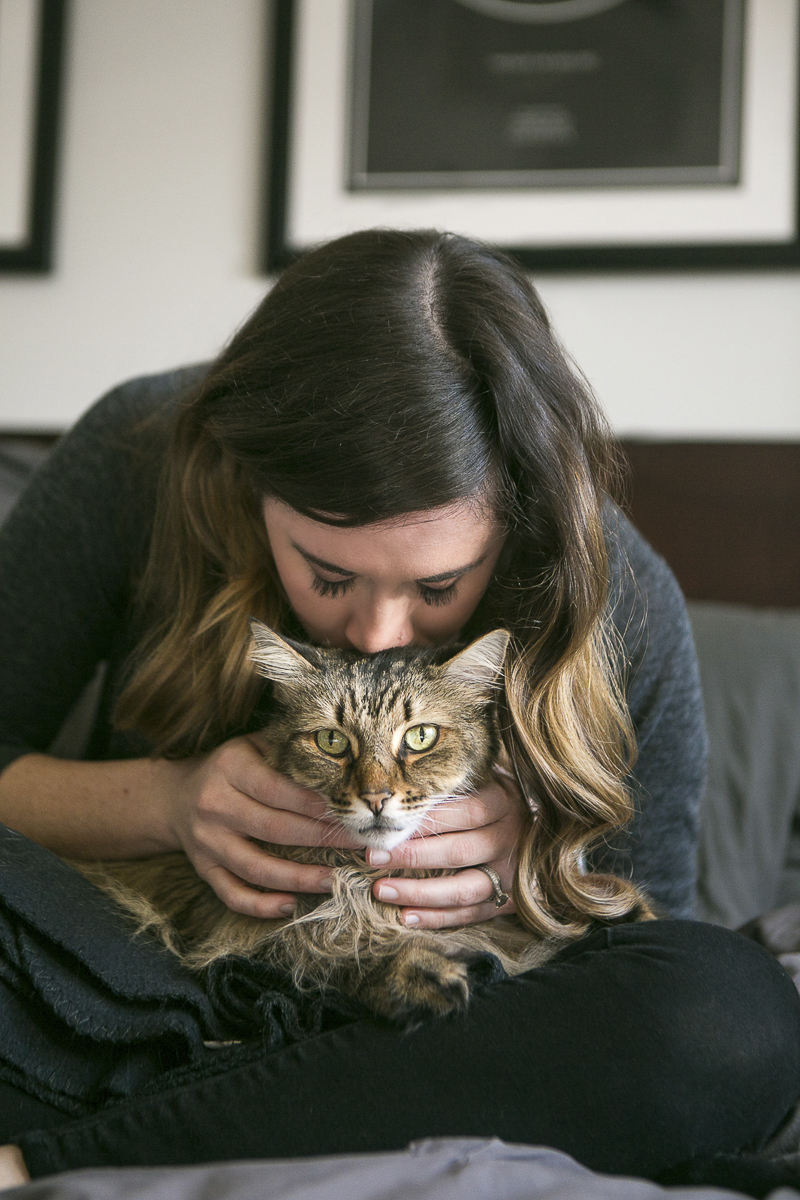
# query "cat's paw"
(419, 983)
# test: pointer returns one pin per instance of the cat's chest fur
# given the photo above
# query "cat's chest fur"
(384, 739)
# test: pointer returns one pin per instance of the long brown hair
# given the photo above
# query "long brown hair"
(387, 373)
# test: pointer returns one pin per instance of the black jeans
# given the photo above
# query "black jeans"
(637, 1048)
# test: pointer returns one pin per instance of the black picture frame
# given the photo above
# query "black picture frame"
(32, 252)
(281, 244)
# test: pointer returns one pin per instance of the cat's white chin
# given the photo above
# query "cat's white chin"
(378, 839)
(381, 839)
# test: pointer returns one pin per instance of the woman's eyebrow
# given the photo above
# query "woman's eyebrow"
(459, 571)
(320, 562)
(441, 578)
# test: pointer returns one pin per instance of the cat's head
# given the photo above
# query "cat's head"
(383, 737)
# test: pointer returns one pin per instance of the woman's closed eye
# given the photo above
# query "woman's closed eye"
(340, 587)
(438, 595)
(332, 587)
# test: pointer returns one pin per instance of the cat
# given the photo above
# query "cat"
(384, 738)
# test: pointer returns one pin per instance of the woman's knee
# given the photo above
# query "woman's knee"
(727, 1019)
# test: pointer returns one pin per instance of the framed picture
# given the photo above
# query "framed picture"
(578, 134)
(31, 51)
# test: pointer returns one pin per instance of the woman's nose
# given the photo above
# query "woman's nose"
(380, 627)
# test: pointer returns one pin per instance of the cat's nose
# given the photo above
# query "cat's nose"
(375, 800)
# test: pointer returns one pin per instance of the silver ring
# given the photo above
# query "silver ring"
(500, 897)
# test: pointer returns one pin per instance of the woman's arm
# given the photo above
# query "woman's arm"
(67, 556)
(89, 809)
(659, 850)
(214, 807)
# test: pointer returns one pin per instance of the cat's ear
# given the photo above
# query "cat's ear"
(482, 661)
(275, 659)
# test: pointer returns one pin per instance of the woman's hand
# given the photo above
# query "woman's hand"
(218, 803)
(481, 830)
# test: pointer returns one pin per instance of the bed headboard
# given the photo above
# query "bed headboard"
(725, 515)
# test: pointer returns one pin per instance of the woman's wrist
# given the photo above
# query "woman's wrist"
(167, 787)
(91, 809)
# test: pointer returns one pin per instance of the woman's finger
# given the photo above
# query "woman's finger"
(453, 851)
(251, 819)
(490, 804)
(467, 889)
(449, 918)
(242, 766)
(252, 865)
(237, 896)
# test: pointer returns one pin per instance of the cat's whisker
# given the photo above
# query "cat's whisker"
(430, 831)
(329, 835)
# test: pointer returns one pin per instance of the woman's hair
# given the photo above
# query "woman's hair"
(387, 373)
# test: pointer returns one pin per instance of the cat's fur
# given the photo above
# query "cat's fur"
(379, 788)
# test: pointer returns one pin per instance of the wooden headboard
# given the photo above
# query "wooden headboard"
(725, 515)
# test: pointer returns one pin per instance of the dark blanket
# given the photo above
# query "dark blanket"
(90, 1012)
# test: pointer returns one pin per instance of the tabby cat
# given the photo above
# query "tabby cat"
(384, 738)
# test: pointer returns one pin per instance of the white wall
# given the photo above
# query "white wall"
(158, 208)
(158, 232)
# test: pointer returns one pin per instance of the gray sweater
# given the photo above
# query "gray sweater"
(75, 541)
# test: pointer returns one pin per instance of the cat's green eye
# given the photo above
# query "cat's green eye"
(421, 737)
(332, 742)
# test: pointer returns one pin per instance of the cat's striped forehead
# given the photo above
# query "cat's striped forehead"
(354, 692)
(402, 684)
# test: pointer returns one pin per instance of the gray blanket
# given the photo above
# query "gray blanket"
(438, 1169)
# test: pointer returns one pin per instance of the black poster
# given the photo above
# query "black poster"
(538, 93)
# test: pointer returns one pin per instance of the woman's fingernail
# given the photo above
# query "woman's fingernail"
(385, 892)
(378, 858)
(411, 919)
(326, 883)
(286, 910)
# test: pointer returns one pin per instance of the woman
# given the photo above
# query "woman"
(393, 450)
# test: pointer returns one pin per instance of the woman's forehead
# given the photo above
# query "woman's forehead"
(449, 537)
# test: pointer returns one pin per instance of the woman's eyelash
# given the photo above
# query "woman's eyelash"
(331, 587)
(436, 596)
(340, 587)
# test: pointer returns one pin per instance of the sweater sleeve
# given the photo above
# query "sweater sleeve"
(659, 850)
(67, 552)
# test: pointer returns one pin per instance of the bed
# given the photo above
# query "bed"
(726, 516)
